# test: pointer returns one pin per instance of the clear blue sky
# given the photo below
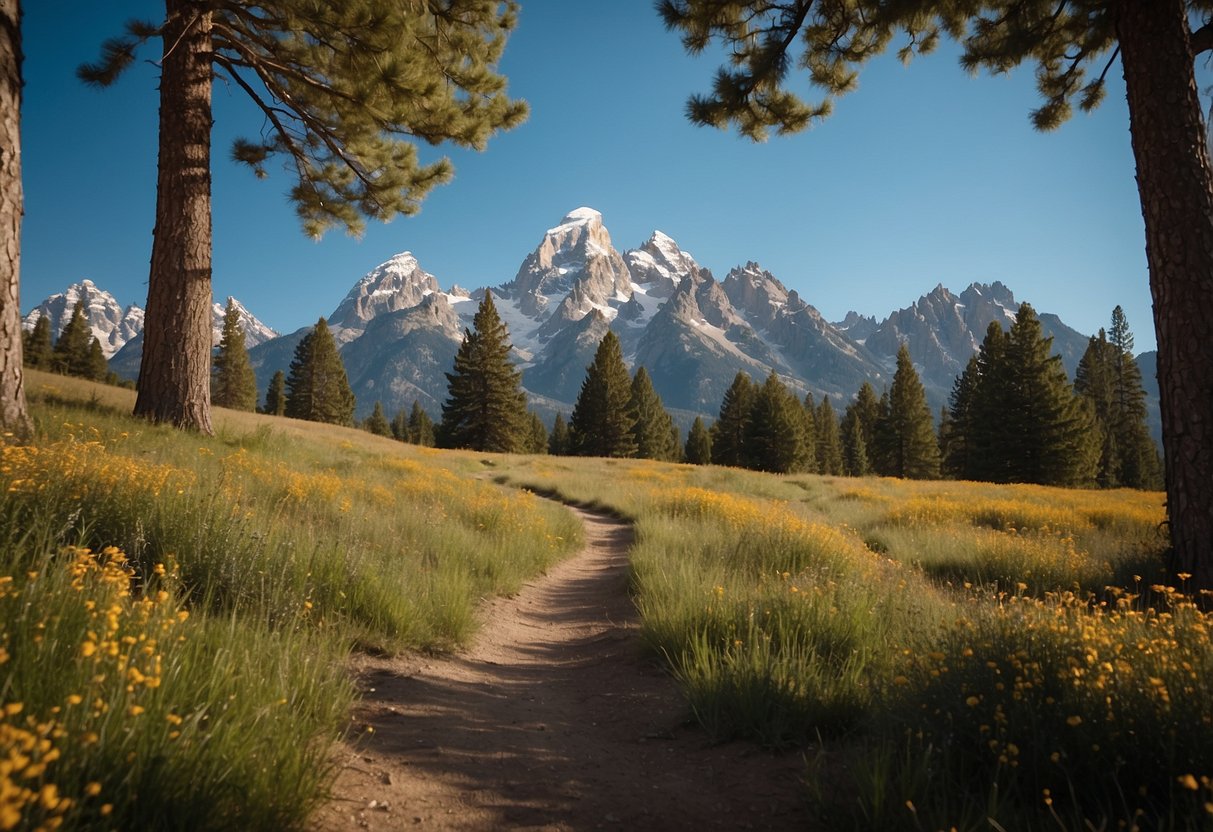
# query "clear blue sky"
(923, 176)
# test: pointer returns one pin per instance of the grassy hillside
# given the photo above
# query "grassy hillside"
(953, 653)
(197, 597)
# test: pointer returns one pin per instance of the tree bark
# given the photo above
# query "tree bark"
(1176, 187)
(13, 416)
(174, 376)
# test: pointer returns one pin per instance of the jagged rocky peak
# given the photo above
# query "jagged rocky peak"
(755, 292)
(112, 325)
(399, 283)
(577, 252)
(255, 332)
(659, 265)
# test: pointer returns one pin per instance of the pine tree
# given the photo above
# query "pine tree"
(729, 431)
(71, 353)
(910, 449)
(809, 430)
(232, 381)
(14, 417)
(956, 437)
(775, 438)
(829, 441)
(854, 446)
(536, 435)
(699, 444)
(317, 388)
(377, 422)
(654, 432)
(421, 429)
(98, 368)
(347, 91)
(485, 408)
(1093, 381)
(1157, 49)
(400, 427)
(603, 418)
(275, 395)
(39, 351)
(558, 440)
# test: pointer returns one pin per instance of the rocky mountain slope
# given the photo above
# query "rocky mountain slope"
(398, 330)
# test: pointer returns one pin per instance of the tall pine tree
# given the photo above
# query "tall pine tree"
(558, 440)
(906, 433)
(275, 395)
(377, 422)
(698, 449)
(39, 348)
(731, 426)
(346, 91)
(603, 418)
(829, 441)
(775, 437)
(232, 381)
(655, 434)
(536, 435)
(485, 409)
(421, 427)
(71, 352)
(317, 388)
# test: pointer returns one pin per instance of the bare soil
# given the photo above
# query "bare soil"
(554, 719)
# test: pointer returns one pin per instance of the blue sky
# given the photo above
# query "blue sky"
(923, 176)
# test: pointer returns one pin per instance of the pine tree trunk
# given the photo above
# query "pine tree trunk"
(174, 377)
(13, 416)
(1176, 187)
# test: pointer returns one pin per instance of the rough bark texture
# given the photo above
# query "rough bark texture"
(174, 378)
(1176, 187)
(13, 417)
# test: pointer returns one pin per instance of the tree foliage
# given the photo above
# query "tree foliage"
(420, 428)
(485, 409)
(232, 382)
(829, 440)
(655, 434)
(698, 449)
(905, 433)
(775, 438)
(346, 91)
(39, 346)
(558, 439)
(603, 419)
(377, 422)
(729, 430)
(71, 352)
(317, 388)
(275, 395)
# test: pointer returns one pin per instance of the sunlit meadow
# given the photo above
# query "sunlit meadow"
(197, 597)
(954, 655)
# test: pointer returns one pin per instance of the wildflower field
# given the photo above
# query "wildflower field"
(948, 655)
(176, 611)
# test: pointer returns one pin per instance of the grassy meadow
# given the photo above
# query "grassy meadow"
(954, 655)
(175, 610)
(946, 655)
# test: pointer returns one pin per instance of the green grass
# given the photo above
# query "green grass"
(198, 597)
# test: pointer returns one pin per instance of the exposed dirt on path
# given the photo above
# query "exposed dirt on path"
(554, 720)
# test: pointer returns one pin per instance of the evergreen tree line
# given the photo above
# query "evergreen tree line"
(77, 352)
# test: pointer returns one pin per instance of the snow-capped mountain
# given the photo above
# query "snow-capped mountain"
(398, 330)
(112, 325)
(255, 332)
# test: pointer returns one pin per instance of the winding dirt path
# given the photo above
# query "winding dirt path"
(552, 720)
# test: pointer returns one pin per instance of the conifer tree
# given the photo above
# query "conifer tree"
(854, 446)
(558, 440)
(71, 353)
(400, 427)
(317, 388)
(98, 367)
(809, 429)
(39, 350)
(699, 444)
(907, 432)
(421, 429)
(536, 435)
(775, 438)
(654, 432)
(346, 91)
(829, 441)
(485, 408)
(232, 382)
(377, 422)
(275, 395)
(956, 438)
(14, 417)
(603, 418)
(731, 426)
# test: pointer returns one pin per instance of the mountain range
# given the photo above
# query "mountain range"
(398, 329)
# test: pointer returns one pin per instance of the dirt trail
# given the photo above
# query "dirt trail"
(552, 720)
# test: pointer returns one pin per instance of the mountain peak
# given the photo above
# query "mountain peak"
(397, 283)
(581, 215)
